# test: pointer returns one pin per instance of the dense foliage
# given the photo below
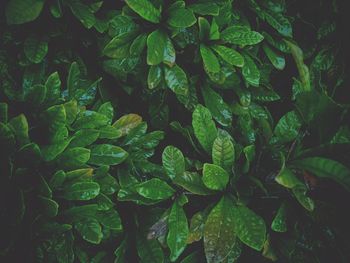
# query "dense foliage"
(174, 131)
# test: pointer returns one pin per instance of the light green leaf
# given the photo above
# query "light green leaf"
(23, 11)
(74, 158)
(178, 230)
(192, 182)
(173, 162)
(214, 177)
(230, 55)
(220, 231)
(250, 227)
(53, 88)
(204, 127)
(155, 189)
(107, 154)
(145, 9)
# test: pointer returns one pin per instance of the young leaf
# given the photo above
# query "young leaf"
(214, 177)
(173, 162)
(204, 127)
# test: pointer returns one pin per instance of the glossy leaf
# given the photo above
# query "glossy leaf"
(145, 9)
(223, 153)
(215, 177)
(155, 189)
(204, 127)
(173, 162)
(107, 154)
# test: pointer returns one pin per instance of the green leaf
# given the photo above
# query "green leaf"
(35, 49)
(90, 120)
(214, 177)
(241, 36)
(110, 219)
(169, 55)
(230, 55)
(20, 128)
(279, 22)
(326, 168)
(3, 112)
(23, 11)
(145, 9)
(178, 230)
(90, 230)
(107, 110)
(250, 227)
(53, 88)
(287, 178)
(155, 76)
(220, 231)
(107, 154)
(217, 106)
(74, 158)
(277, 59)
(181, 17)
(149, 250)
(81, 191)
(204, 9)
(204, 29)
(204, 127)
(176, 79)
(85, 137)
(223, 153)
(35, 95)
(287, 128)
(156, 44)
(173, 162)
(192, 182)
(279, 223)
(83, 13)
(49, 206)
(138, 45)
(155, 189)
(73, 79)
(210, 61)
(251, 72)
(127, 122)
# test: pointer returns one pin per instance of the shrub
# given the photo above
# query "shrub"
(246, 99)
